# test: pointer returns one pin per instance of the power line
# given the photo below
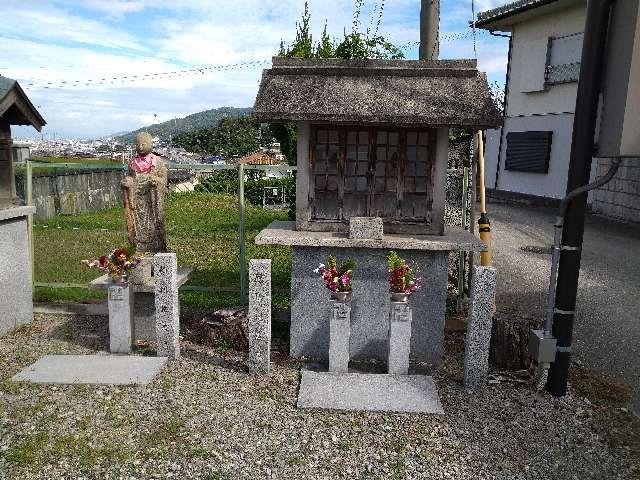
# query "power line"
(123, 79)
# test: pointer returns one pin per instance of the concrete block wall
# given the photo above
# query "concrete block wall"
(73, 191)
(620, 198)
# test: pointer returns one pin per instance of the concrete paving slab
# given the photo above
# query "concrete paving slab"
(369, 392)
(92, 369)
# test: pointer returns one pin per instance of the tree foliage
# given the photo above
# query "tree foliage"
(231, 137)
(354, 45)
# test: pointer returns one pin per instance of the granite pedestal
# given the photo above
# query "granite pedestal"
(339, 336)
(16, 285)
(399, 338)
(121, 329)
(311, 305)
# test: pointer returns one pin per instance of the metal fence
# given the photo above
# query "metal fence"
(67, 189)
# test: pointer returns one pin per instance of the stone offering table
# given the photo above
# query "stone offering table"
(311, 307)
(144, 307)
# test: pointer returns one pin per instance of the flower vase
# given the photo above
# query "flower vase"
(341, 296)
(120, 280)
(399, 297)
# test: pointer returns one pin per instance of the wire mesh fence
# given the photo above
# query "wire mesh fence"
(212, 215)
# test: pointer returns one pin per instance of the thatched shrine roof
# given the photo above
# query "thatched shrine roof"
(400, 92)
(15, 106)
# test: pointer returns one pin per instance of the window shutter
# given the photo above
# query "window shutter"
(528, 152)
(565, 54)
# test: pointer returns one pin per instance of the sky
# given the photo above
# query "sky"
(59, 50)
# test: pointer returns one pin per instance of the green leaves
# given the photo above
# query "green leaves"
(354, 45)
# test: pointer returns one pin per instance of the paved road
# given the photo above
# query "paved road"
(607, 330)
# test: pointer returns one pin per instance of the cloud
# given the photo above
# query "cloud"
(53, 41)
(58, 26)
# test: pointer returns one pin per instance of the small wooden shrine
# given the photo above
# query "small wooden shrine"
(373, 141)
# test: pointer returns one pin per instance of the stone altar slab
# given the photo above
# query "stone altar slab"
(311, 307)
(454, 239)
(144, 303)
(92, 370)
(369, 392)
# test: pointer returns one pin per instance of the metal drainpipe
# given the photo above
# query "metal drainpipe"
(542, 342)
(587, 101)
(505, 103)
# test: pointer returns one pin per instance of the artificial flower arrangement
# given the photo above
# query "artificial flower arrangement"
(336, 278)
(117, 263)
(402, 279)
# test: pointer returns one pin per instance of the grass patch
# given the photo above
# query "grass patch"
(202, 228)
(27, 450)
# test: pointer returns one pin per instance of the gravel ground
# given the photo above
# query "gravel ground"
(606, 332)
(204, 417)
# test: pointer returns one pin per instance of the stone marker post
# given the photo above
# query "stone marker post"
(120, 302)
(400, 317)
(339, 336)
(477, 342)
(259, 316)
(167, 305)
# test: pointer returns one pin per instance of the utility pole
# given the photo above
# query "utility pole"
(582, 151)
(429, 29)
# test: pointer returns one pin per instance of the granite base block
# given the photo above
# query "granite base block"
(369, 392)
(92, 370)
(478, 339)
(339, 335)
(121, 325)
(311, 305)
(259, 316)
(399, 338)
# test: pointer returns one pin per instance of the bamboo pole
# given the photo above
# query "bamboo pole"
(483, 222)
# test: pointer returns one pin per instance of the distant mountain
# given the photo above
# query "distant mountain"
(195, 121)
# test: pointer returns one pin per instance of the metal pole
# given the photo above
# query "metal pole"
(461, 258)
(584, 123)
(241, 237)
(29, 202)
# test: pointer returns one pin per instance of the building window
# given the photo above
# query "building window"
(528, 152)
(563, 59)
(383, 172)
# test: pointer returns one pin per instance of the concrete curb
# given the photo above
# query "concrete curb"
(72, 308)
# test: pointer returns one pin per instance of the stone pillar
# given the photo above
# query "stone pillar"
(121, 328)
(259, 316)
(476, 349)
(167, 305)
(400, 316)
(339, 337)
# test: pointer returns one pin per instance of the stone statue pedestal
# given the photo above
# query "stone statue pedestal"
(144, 303)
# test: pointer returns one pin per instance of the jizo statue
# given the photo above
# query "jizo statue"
(143, 191)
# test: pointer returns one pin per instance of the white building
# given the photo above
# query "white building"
(529, 156)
